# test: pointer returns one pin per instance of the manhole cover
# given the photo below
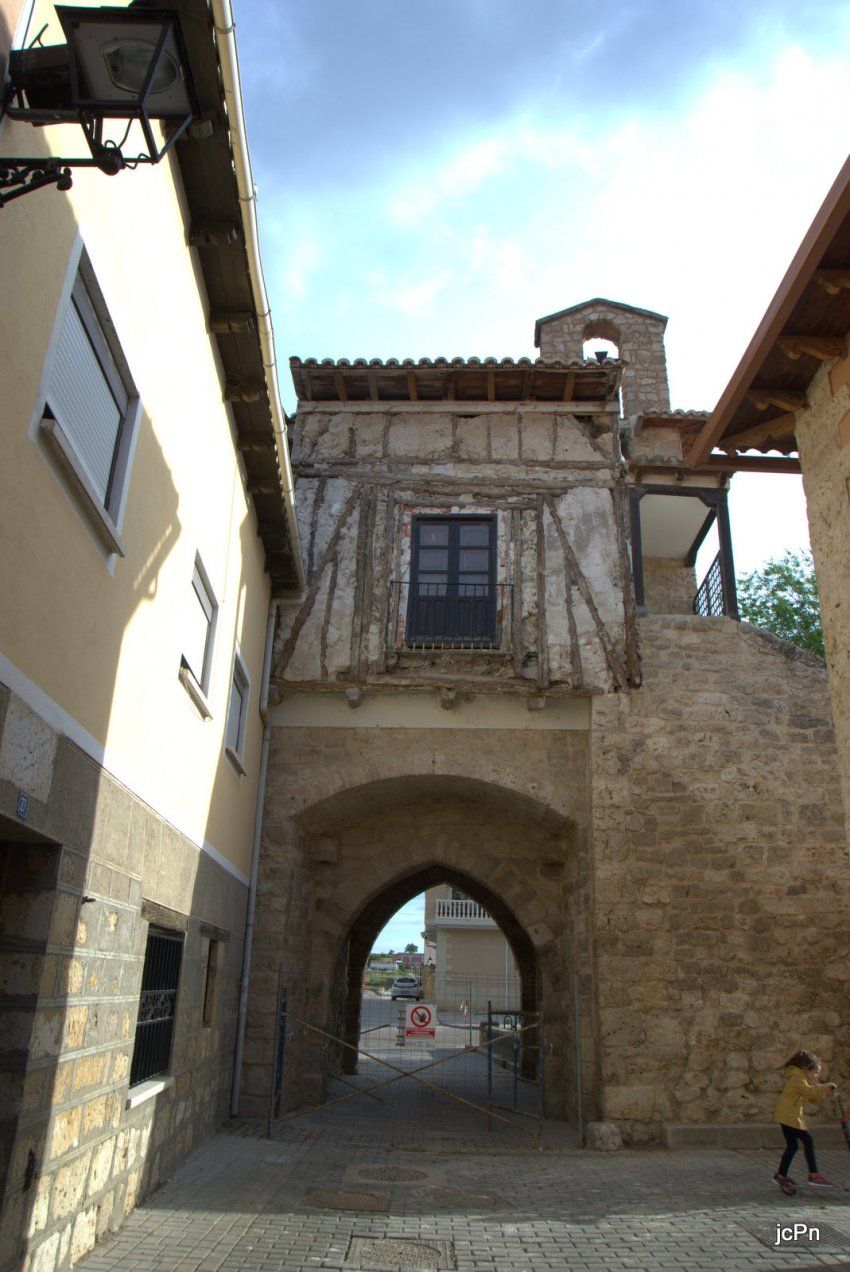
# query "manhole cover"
(796, 1233)
(388, 1254)
(392, 1174)
(346, 1199)
(465, 1198)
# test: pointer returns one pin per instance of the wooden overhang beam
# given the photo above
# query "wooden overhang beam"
(804, 271)
(412, 389)
(569, 386)
(341, 386)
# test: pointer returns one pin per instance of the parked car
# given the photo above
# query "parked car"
(406, 987)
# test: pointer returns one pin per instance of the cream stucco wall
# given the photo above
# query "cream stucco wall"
(92, 641)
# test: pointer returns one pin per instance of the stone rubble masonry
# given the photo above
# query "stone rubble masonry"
(72, 943)
(823, 435)
(721, 882)
(639, 337)
(685, 858)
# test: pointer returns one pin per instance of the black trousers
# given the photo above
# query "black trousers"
(792, 1135)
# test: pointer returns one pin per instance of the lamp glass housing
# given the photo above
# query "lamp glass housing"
(110, 53)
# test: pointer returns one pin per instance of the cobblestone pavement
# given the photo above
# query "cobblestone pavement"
(409, 1179)
(243, 1202)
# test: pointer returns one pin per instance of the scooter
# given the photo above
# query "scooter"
(845, 1129)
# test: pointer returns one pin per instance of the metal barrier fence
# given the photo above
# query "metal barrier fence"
(488, 1067)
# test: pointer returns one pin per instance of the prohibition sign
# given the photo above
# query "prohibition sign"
(421, 1022)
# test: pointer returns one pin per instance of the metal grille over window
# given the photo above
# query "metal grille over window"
(157, 1003)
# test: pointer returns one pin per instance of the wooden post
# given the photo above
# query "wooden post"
(727, 562)
(637, 549)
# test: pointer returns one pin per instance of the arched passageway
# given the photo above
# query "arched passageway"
(365, 850)
(360, 938)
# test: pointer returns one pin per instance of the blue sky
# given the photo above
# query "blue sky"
(433, 178)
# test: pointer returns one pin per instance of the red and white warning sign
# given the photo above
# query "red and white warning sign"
(420, 1021)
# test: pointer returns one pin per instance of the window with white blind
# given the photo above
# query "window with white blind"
(90, 406)
(199, 619)
(237, 714)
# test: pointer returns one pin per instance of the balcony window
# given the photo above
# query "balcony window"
(452, 598)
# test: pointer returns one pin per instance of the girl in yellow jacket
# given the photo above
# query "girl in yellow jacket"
(802, 1086)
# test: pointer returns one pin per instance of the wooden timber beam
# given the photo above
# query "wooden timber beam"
(340, 385)
(373, 385)
(262, 486)
(781, 426)
(221, 324)
(528, 393)
(749, 464)
(451, 386)
(491, 384)
(833, 280)
(412, 390)
(788, 399)
(569, 385)
(252, 443)
(246, 391)
(823, 347)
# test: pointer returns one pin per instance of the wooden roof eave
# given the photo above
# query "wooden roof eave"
(799, 276)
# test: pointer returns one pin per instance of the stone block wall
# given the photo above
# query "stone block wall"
(721, 886)
(638, 335)
(371, 807)
(823, 435)
(82, 879)
(669, 585)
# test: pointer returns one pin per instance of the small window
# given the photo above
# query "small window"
(453, 581)
(90, 407)
(237, 713)
(157, 1005)
(213, 954)
(201, 612)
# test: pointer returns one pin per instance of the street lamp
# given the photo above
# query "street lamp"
(118, 64)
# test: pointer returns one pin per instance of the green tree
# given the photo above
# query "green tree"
(782, 597)
(410, 949)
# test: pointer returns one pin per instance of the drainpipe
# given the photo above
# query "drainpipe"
(255, 867)
(225, 27)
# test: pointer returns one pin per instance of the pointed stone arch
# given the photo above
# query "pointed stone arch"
(377, 832)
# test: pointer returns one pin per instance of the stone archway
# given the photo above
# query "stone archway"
(359, 939)
(363, 850)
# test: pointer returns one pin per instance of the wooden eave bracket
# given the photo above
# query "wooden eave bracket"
(833, 280)
(221, 324)
(782, 426)
(822, 347)
(246, 391)
(786, 399)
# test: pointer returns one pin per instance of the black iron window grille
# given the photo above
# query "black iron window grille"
(157, 1004)
(452, 597)
(708, 601)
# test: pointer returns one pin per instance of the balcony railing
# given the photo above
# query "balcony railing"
(446, 615)
(461, 910)
(709, 602)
